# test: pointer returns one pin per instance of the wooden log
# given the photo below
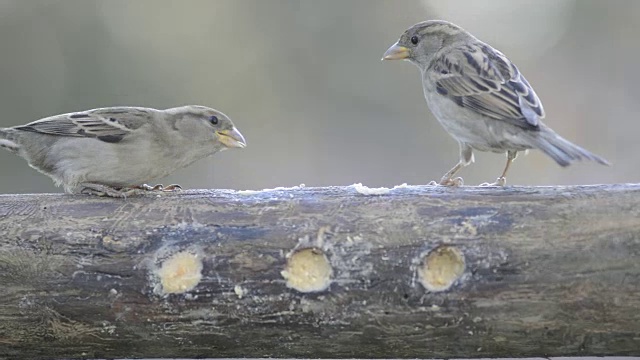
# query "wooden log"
(323, 272)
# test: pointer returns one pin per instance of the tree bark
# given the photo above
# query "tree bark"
(323, 272)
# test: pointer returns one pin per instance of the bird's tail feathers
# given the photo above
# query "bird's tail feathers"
(7, 141)
(561, 150)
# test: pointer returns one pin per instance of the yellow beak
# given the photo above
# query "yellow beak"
(396, 52)
(231, 138)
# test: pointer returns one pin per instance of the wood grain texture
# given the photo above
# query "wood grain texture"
(549, 271)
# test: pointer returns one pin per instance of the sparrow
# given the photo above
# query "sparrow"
(480, 98)
(114, 151)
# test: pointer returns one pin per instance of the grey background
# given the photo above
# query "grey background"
(304, 83)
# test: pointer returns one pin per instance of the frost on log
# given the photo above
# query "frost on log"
(323, 272)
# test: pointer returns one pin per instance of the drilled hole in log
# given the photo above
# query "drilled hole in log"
(441, 268)
(180, 273)
(308, 270)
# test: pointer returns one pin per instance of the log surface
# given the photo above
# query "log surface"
(548, 271)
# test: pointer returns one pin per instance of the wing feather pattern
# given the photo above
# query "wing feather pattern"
(482, 79)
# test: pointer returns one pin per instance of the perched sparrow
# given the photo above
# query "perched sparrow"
(479, 97)
(114, 151)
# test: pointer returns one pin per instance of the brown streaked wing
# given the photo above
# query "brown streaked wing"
(482, 79)
(106, 124)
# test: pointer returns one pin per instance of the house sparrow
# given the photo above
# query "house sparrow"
(114, 151)
(479, 97)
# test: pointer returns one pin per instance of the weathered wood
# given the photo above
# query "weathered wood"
(547, 272)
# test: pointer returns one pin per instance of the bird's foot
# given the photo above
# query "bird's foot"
(108, 191)
(159, 187)
(455, 182)
(502, 181)
(173, 188)
(146, 187)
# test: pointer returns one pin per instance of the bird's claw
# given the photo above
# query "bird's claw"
(172, 188)
(159, 187)
(146, 187)
(107, 191)
(502, 181)
(455, 182)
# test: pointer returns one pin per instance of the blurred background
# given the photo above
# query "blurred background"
(303, 81)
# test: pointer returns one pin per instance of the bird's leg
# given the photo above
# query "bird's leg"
(107, 191)
(502, 180)
(466, 158)
(448, 180)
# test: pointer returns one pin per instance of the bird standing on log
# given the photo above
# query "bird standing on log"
(115, 151)
(480, 98)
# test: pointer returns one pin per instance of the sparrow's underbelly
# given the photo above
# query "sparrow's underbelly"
(103, 163)
(479, 132)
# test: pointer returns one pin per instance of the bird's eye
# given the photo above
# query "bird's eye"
(414, 40)
(214, 120)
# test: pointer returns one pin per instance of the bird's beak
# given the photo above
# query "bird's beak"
(231, 138)
(396, 52)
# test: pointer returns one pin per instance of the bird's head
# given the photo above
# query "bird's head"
(421, 42)
(201, 122)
